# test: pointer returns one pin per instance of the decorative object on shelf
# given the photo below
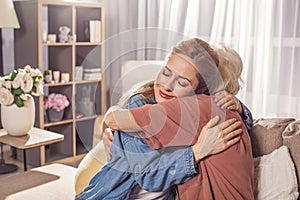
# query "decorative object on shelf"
(65, 77)
(64, 34)
(74, 38)
(55, 105)
(51, 38)
(78, 73)
(56, 76)
(92, 74)
(48, 76)
(95, 30)
(17, 104)
(85, 105)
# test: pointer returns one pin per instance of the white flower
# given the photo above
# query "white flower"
(24, 97)
(16, 83)
(7, 84)
(6, 97)
(21, 86)
(35, 72)
(27, 83)
(2, 81)
(39, 89)
(27, 68)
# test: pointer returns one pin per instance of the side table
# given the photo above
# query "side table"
(35, 138)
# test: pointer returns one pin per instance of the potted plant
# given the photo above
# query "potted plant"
(48, 76)
(17, 104)
(55, 104)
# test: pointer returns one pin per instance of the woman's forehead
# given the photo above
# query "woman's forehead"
(181, 64)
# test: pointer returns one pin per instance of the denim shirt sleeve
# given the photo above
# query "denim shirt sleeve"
(247, 117)
(156, 170)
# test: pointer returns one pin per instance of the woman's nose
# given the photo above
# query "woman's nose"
(169, 84)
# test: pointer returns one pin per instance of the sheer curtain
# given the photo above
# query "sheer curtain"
(147, 30)
(267, 36)
(265, 33)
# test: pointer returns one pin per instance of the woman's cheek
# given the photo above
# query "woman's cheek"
(182, 92)
(161, 80)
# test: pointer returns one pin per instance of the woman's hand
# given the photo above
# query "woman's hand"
(107, 141)
(226, 100)
(214, 138)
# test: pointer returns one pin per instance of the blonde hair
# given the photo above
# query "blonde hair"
(146, 90)
(204, 58)
(230, 67)
(206, 61)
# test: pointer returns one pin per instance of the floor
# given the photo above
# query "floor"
(9, 159)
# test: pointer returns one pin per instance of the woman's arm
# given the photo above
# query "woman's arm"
(156, 172)
(225, 135)
(121, 119)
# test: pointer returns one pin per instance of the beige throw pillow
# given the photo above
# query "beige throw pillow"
(275, 177)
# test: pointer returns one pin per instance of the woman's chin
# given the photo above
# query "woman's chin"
(160, 99)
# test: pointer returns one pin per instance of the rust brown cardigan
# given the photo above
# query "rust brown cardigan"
(227, 175)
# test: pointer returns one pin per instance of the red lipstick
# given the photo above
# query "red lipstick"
(164, 95)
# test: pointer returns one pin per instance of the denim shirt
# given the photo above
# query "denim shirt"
(247, 118)
(134, 163)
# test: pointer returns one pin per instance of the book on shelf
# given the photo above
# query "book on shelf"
(95, 30)
(92, 70)
(95, 76)
(78, 73)
(92, 74)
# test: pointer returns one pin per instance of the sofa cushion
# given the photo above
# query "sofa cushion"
(275, 176)
(89, 166)
(266, 135)
(291, 138)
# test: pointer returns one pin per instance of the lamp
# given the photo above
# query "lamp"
(8, 19)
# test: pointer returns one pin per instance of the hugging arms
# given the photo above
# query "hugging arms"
(135, 164)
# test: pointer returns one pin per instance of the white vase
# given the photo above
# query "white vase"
(18, 121)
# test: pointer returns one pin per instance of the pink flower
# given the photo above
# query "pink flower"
(56, 101)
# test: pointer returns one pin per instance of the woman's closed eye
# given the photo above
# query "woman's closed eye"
(166, 72)
(183, 82)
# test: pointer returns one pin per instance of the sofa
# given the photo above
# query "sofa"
(275, 144)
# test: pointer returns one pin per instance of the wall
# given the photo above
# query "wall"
(8, 46)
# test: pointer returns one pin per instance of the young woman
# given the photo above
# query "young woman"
(168, 166)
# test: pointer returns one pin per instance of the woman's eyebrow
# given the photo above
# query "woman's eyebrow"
(185, 78)
(168, 68)
(182, 77)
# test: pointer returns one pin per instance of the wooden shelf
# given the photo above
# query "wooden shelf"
(58, 84)
(88, 81)
(37, 20)
(67, 121)
(87, 44)
(86, 118)
(57, 44)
